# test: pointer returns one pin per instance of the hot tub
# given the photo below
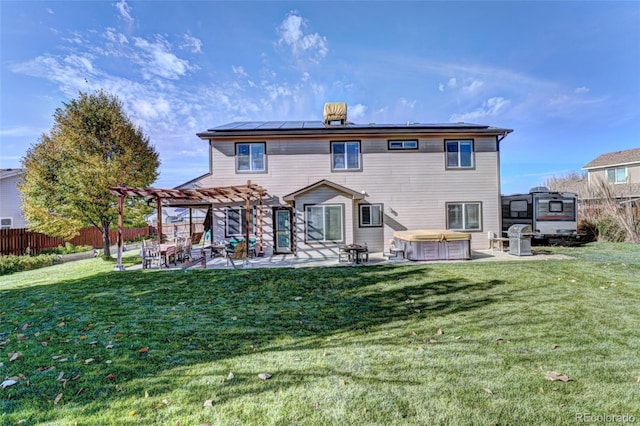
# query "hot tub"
(434, 244)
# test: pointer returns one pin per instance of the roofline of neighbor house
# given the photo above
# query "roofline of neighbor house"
(7, 173)
(606, 166)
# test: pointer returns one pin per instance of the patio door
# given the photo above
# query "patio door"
(282, 230)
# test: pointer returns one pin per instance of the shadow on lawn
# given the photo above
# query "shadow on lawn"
(148, 323)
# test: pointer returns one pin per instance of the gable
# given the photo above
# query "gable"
(322, 184)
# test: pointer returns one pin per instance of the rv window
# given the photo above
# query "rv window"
(518, 208)
(555, 206)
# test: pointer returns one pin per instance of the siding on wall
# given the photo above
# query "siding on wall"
(10, 203)
(414, 186)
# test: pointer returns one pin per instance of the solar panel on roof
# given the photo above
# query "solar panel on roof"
(271, 125)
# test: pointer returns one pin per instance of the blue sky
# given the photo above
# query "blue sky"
(564, 75)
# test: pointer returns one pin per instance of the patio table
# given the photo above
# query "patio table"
(357, 252)
(167, 251)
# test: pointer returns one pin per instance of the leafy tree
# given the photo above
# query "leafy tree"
(92, 146)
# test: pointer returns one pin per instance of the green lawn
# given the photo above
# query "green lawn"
(441, 343)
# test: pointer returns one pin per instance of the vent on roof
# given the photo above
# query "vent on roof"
(539, 189)
(335, 113)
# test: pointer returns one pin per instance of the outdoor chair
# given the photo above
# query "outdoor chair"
(239, 252)
(151, 256)
(233, 243)
(344, 255)
(196, 237)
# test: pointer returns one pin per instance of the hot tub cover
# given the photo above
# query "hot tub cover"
(431, 235)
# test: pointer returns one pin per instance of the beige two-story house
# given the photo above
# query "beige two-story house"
(620, 168)
(334, 182)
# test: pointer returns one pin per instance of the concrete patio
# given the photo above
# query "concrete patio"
(291, 261)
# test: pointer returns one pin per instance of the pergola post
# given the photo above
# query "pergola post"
(247, 219)
(119, 266)
(159, 221)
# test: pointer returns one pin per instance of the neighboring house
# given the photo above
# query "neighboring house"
(176, 215)
(621, 168)
(335, 182)
(11, 216)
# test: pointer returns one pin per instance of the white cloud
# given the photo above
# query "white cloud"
(582, 89)
(124, 10)
(192, 43)
(452, 83)
(407, 103)
(292, 34)
(472, 86)
(115, 37)
(490, 108)
(22, 131)
(158, 60)
(239, 71)
(357, 111)
(441, 87)
(50, 11)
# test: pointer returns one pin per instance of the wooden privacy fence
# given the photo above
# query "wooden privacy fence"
(23, 241)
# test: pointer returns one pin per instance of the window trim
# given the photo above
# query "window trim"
(459, 167)
(615, 174)
(402, 146)
(251, 170)
(346, 169)
(361, 224)
(307, 240)
(242, 221)
(464, 206)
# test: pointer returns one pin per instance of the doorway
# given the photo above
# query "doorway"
(282, 230)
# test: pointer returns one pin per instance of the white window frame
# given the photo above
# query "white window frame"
(324, 208)
(371, 207)
(241, 212)
(458, 163)
(345, 156)
(252, 151)
(465, 225)
(2, 219)
(612, 174)
(402, 145)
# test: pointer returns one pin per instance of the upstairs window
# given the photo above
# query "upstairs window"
(617, 175)
(395, 145)
(345, 156)
(250, 157)
(6, 222)
(370, 215)
(459, 154)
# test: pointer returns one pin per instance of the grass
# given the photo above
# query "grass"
(442, 343)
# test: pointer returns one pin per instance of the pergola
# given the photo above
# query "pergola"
(194, 197)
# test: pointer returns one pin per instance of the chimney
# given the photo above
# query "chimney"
(335, 112)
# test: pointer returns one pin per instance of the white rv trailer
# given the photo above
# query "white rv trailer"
(553, 216)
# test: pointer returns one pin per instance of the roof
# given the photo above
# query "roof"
(7, 173)
(297, 128)
(618, 158)
(324, 182)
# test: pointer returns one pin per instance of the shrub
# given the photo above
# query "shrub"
(11, 263)
(68, 248)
